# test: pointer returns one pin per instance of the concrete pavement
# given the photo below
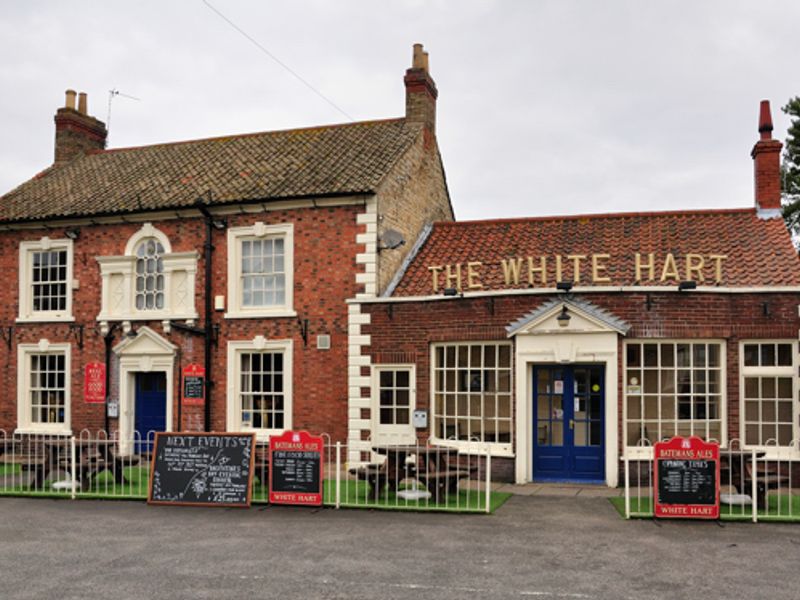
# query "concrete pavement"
(533, 547)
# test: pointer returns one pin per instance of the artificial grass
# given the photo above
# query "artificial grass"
(354, 494)
(780, 507)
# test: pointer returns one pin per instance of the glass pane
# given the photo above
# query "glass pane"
(750, 355)
(651, 355)
(633, 352)
(784, 355)
(767, 355)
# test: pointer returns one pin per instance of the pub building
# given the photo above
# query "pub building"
(563, 344)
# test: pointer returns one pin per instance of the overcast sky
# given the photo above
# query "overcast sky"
(555, 107)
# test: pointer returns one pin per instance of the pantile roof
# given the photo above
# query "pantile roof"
(319, 161)
(750, 251)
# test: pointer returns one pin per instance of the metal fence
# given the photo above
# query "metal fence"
(755, 484)
(94, 464)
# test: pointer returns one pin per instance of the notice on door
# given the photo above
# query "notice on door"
(687, 479)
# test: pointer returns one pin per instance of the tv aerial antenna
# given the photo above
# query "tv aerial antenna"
(111, 95)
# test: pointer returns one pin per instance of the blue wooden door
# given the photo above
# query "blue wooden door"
(568, 425)
(151, 408)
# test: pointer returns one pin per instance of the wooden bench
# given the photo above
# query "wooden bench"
(444, 482)
(376, 476)
(31, 456)
(767, 477)
(94, 457)
(439, 482)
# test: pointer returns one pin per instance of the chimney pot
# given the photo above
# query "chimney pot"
(418, 60)
(82, 104)
(765, 121)
(70, 103)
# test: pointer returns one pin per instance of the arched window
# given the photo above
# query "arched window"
(150, 275)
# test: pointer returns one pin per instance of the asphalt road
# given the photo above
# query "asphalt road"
(533, 547)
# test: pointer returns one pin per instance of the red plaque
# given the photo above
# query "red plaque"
(194, 385)
(686, 479)
(295, 468)
(94, 383)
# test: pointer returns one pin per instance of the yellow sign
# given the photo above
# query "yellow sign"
(544, 269)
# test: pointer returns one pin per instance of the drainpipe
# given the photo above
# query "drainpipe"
(108, 338)
(208, 332)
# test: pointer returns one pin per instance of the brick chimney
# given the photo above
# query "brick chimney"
(420, 91)
(76, 131)
(767, 162)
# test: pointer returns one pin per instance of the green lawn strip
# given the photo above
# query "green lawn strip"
(355, 494)
(779, 509)
(10, 470)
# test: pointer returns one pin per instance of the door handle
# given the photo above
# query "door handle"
(572, 423)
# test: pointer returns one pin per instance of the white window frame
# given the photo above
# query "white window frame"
(497, 448)
(236, 235)
(24, 422)
(776, 371)
(26, 312)
(118, 282)
(233, 408)
(399, 434)
(646, 452)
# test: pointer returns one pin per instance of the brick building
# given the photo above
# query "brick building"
(564, 343)
(235, 255)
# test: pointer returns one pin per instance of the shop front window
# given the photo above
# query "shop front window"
(674, 388)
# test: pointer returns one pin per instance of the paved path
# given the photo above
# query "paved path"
(533, 547)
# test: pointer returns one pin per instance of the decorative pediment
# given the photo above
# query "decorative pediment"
(567, 315)
(146, 342)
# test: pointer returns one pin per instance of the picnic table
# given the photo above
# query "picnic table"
(742, 473)
(43, 457)
(435, 467)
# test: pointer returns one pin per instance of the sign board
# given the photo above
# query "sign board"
(203, 469)
(295, 469)
(194, 377)
(94, 383)
(686, 479)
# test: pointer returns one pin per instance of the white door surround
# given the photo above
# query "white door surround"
(147, 352)
(591, 336)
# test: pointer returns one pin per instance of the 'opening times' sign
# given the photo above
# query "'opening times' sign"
(687, 479)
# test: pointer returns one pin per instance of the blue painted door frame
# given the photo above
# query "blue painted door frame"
(150, 413)
(568, 423)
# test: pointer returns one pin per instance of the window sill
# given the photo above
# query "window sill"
(46, 318)
(262, 435)
(42, 431)
(500, 450)
(261, 314)
(153, 316)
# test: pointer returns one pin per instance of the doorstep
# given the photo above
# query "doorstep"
(559, 489)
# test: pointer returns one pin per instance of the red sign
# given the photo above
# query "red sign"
(194, 388)
(686, 479)
(94, 383)
(295, 468)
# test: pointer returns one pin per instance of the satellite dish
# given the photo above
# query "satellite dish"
(391, 239)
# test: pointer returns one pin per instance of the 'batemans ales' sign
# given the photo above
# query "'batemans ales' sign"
(549, 269)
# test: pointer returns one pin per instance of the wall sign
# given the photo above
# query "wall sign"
(686, 479)
(203, 469)
(194, 378)
(295, 468)
(94, 383)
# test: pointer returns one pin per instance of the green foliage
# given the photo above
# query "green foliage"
(790, 169)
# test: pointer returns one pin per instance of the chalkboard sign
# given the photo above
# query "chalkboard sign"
(295, 469)
(687, 478)
(193, 384)
(204, 469)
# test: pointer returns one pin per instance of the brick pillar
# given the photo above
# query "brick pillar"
(76, 131)
(767, 163)
(421, 91)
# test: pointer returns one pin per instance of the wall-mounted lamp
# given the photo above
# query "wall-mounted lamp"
(684, 286)
(73, 233)
(450, 291)
(564, 317)
(564, 286)
(131, 333)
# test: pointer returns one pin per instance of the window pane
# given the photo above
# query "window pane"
(784, 355)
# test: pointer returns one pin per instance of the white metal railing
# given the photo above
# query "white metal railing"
(755, 484)
(418, 476)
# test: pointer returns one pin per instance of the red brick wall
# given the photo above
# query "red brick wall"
(324, 254)
(402, 332)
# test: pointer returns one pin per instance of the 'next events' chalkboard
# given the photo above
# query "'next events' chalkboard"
(206, 469)
(295, 473)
